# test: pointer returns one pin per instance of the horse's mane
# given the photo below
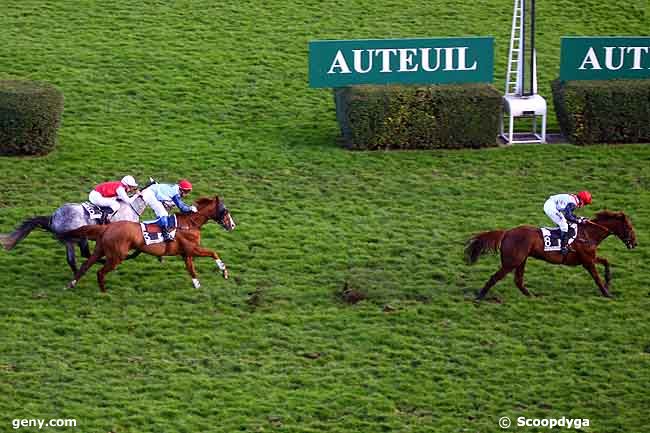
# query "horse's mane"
(204, 201)
(611, 215)
(608, 214)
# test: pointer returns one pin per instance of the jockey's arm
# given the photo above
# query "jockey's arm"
(182, 206)
(568, 213)
(122, 195)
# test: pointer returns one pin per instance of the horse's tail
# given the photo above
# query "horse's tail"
(91, 232)
(9, 241)
(482, 243)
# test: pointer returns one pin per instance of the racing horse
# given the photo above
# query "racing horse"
(69, 217)
(519, 243)
(114, 241)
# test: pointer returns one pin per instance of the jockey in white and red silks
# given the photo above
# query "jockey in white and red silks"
(559, 209)
(106, 194)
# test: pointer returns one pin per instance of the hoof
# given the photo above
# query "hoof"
(71, 285)
(196, 283)
(225, 274)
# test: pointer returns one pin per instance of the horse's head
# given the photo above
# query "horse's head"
(217, 211)
(619, 224)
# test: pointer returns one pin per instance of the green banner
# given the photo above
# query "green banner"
(406, 61)
(605, 58)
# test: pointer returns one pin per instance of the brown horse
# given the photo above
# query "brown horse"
(114, 241)
(519, 243)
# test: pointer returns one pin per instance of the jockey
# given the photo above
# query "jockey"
(560, 207)
(158, 193)
(106, 195)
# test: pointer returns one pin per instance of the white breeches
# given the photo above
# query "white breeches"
(151, 200)
(555, 215)
(97, 199)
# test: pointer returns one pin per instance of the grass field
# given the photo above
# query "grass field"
(217, 93)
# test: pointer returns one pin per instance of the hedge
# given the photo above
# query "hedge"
(30, 114)
(414, 117)
(615, 111)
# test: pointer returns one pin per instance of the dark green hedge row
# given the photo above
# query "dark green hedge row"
(615, 111)
(413, 117)
(30, 114)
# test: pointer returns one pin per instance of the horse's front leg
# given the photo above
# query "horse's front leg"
(204, 252)
(189, 265)
(608, 275)
(591, 268)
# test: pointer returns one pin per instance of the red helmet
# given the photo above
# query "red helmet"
(585, 197)
(185, 185)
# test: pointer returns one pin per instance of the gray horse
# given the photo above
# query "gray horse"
(68, 217)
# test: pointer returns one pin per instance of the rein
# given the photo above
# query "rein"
(219, 211)
(599, 226)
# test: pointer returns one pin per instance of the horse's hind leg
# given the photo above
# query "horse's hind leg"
(96, 255)
(519, 279)
(111, 264)
(84, 248)
(498, 275)
(70, 256)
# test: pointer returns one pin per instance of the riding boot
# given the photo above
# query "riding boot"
(564, 240)
(104, 219)
(163, 222)
(165, 235)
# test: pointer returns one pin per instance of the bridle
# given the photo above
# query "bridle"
(627, 241)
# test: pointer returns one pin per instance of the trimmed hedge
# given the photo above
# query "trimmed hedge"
(414, 117)
(615, 111)
(30, 114)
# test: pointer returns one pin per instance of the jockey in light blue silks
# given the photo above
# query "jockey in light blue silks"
(560, 207)
(159, 193)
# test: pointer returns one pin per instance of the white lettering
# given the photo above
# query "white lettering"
(385, 58)
(406, 60)
(425, 59)
(637, 56)
(462, 63)
(358, 61)
(609, 61)
(521, 421)
(339, 62)
(449, 59)
(591, 59)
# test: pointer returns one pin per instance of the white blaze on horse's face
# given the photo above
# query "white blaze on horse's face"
(230, 223)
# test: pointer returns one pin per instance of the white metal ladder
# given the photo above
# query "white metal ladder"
(514, 83)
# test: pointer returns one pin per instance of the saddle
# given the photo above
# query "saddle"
(551, 237)
(94, 211)
(152, 233)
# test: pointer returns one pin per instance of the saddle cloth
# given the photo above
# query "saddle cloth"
(551, 237)
(152, 233)
(94, 211)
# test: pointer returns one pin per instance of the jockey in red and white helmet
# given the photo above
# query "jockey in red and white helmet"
(106, 194)
(159, 193)
(560, 207)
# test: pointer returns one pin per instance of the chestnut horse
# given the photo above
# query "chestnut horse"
(519, 243)
(115, 240)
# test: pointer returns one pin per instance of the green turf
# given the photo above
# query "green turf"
(218, 93)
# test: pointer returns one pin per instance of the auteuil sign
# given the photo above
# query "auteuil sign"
(407, 61)
(605, 58)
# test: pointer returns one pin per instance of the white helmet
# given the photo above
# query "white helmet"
(129, 181)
